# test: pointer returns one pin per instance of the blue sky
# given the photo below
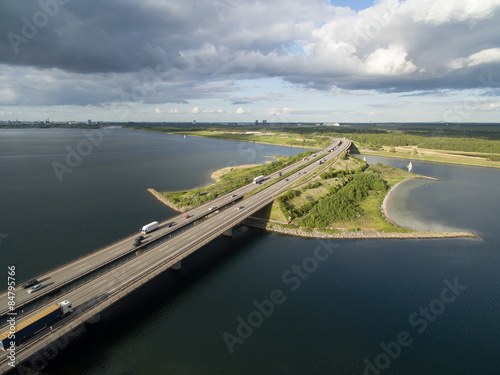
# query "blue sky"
(353, 4)
(247, 60)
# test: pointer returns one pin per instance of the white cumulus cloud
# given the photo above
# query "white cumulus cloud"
(487, 56)
(242, 111)
(389, 61)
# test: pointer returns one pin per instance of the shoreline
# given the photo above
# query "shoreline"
(219, 173)
(216, 176)
(359, 235)
(275, 227)
(247, 141)
(367, 152)
(387, 196)
(409, 157)
(164, 200)
(232, 140)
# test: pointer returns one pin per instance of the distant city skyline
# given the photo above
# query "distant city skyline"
(321, 61)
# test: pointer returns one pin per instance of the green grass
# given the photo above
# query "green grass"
(371, 219)
(279, 139)
(229, 182)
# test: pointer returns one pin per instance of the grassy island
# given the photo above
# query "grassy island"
(342, 199)
(228, 179)
(345, 197)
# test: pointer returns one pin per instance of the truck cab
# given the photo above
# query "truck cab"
(66, 307)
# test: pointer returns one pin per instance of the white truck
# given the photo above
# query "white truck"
(258, 179)
(149, 227)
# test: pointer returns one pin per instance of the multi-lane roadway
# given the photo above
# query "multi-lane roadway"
(106, 288)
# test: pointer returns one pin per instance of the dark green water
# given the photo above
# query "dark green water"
(103, 198)
(331, 317)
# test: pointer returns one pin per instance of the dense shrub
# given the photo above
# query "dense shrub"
(329, 210)
(342, 204)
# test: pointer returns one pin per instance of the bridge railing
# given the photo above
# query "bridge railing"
(133, 284)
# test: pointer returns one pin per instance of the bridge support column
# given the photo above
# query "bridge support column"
(176, 266)
(228, 233)
(95, 319)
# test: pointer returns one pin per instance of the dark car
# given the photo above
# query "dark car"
(137, 243)
(30, 283)
(170, 225)
(140, 238)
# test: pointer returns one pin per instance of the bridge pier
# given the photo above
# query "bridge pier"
(228, 233)
(176, 266)
(95, 319)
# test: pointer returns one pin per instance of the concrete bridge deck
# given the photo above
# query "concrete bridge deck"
(105, 289)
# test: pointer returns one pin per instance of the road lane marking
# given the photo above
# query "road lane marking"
(79, 267)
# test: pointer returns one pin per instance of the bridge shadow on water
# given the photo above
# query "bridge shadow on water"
(152, 301)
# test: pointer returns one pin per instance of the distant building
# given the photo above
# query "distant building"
(332, 124)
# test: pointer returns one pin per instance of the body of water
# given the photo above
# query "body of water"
(262, 303)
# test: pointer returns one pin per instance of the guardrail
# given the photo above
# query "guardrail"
(138, 280)
(101, 248)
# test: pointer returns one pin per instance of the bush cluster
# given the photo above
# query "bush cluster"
(343, 203)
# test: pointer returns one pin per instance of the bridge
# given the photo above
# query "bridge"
(123, 268)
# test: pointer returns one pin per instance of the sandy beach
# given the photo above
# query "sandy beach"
(361, 234)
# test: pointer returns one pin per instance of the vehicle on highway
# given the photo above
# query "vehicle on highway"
(187, 217)
(149, 227)
(239, 207)
(137, 243)
(27, 328)
(286, 179)
(30, 283)
(258, 179)
(233, 195)
(170, 225)
(35, 288)
(211, 208)
(140, 238)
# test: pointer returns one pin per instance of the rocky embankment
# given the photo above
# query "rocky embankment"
(359, 235)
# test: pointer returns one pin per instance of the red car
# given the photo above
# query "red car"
(186, 217)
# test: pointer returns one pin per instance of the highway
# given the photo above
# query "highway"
(95, 295)
(73, 271)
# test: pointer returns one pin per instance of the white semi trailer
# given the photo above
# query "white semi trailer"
(256, 180)
(149, 227)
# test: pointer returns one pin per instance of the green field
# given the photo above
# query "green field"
(345, 196)
(474, 144)
(228, 182)
(323, 207)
